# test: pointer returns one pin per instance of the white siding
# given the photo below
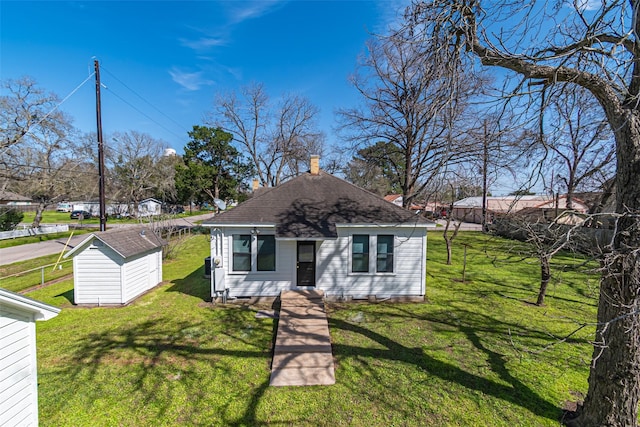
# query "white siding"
(141, 274)
(335, 277)
(332, 265)
(97, 278)
(18, 376)
(258, 283)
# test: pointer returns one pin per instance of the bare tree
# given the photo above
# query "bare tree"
(278, 139)
(578, 140)
(411, 106)
(593, 45)
(23, 107)
(546, 239)
(133, 159)
(38, 149)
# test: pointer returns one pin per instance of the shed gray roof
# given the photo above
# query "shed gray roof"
(126, 241)
(310, 206)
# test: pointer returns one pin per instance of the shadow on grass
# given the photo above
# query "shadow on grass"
(516, 392)
(158, 353)
(195, 284)
(68, 295)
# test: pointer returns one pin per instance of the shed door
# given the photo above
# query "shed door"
(306, 264)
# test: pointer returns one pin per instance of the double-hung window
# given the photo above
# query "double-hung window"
(251, 253)
(360, 253)
(241, 252)
(368, 250)
(384, 251)
(266, 253)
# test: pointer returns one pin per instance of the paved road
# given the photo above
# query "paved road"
(50, 247)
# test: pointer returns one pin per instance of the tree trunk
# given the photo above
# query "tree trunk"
(545, 277)
(39, 210)
(448, 242)
(614, 378)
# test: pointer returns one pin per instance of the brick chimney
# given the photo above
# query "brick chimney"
(256, 184)
(315, 165)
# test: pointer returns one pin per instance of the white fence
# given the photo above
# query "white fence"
(45, 229)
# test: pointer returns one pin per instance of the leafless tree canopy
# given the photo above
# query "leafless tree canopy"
(578, 142)
(414, 100)
(38, 150)
(593, 45)
(278, 138)
(134, 159)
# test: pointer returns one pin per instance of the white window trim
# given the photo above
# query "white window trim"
(254, 257)
(373, 255)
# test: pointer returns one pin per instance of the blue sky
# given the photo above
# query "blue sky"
(162, 62)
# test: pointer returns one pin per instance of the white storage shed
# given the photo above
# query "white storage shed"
(18, 367)
(116, 266)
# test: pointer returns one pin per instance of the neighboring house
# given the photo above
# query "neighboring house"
(397, 200)
(18, 367)
(318, 231)
(149, 207)
(116, 266)
(13, 199)
(470, 208)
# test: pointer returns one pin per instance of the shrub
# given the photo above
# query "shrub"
(9, 218)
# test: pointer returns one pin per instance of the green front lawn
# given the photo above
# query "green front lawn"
(53, 217)
(473, 354)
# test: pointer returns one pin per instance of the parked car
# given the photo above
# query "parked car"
(64, 207)
(80, 215)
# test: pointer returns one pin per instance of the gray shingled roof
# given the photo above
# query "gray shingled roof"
(13, 197)
(126, 241)
(310, 206)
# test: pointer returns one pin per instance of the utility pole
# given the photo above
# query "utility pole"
(103, 208)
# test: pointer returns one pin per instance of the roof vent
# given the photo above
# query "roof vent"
(315, 165)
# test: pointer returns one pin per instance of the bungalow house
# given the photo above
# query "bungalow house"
(318, 231)
(18, 367)
(116, 266)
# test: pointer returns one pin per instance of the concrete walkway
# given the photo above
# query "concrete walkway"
(302, 353)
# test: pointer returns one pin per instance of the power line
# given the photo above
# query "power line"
(144, 100)
(56, 107)
(144, 114)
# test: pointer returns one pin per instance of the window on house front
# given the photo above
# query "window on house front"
(384, 251)
(241, 252)
(266, 253)
(360, 253)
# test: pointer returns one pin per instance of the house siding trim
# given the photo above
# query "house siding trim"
(333, 265)
(19, 370)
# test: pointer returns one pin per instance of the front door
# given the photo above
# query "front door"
(306, 264)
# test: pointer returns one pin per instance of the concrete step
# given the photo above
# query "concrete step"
(302, 376)
(302, 360)
(303, 311)
(302, 294)
(287, 329)
(301, 348)
(310, 340)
